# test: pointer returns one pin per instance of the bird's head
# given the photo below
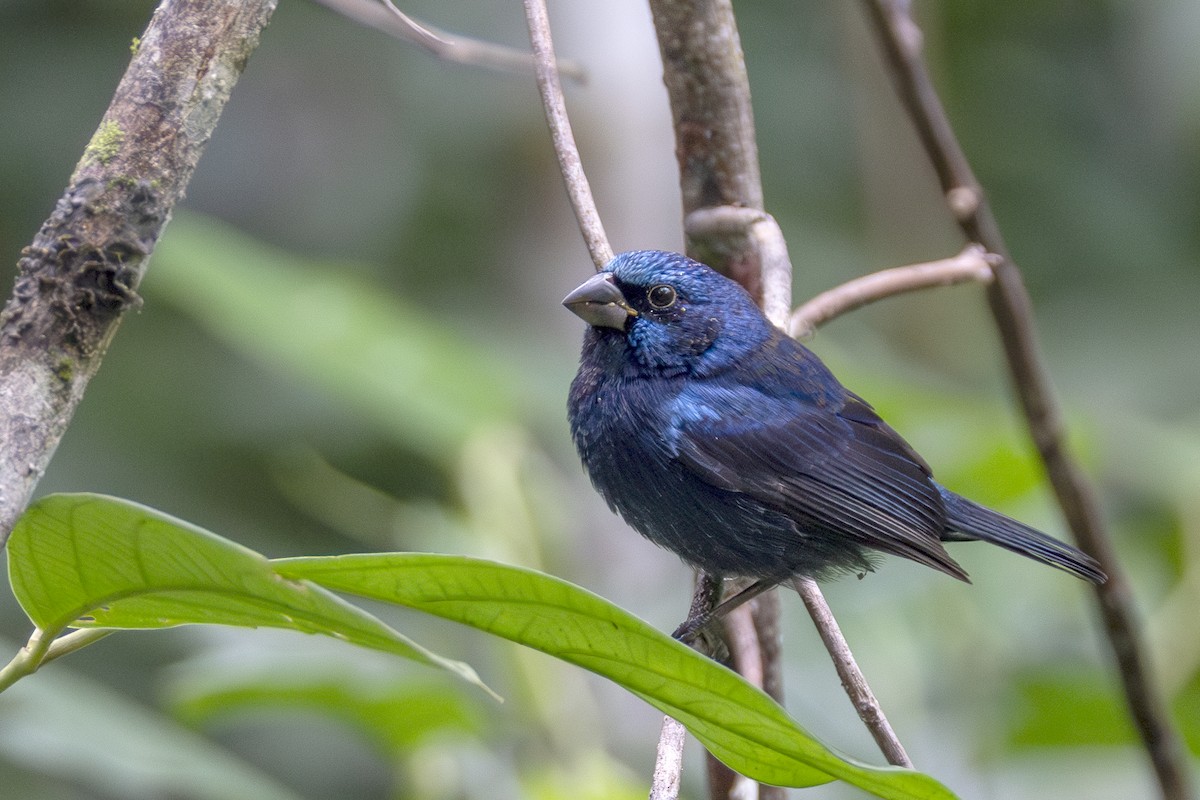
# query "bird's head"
(675, 314)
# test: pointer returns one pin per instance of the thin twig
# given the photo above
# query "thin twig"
(1012, 310)
(868, 708)
(81, 272)
(564, 140)
(450, 47)
(668, 765)
(971, 265)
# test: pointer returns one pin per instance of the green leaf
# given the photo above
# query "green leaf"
(326, 323)
(86, 560)
(734, 720)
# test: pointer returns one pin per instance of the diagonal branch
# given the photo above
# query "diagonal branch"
(853, 681)
(456, 49)
(1013, 313)
(81, 272)
(971, 265)
(569, 163)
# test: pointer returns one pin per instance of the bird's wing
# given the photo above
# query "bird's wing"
(830, 463)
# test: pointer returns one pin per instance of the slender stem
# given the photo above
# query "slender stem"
(446, 46)
(868, 708)
(41, 650)
(569, 162)
(1013, 313)
(971, 265)
(75, 640)
(26, 661)
(668, 765)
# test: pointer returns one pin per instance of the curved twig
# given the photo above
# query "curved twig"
(457, 49)
(564, 140)
(971, 265)
(1013, 314)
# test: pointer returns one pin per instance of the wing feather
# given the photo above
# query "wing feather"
(832, 467)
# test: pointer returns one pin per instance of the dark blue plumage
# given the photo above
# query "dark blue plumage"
(718, 437)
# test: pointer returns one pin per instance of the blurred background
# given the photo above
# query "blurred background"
(352, 340)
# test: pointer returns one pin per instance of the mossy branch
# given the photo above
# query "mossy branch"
(81, 271)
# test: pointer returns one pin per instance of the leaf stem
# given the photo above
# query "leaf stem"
(27, 660)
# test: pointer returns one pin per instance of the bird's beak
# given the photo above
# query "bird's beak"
(599, 302)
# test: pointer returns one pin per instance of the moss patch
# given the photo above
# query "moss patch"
(105, 144)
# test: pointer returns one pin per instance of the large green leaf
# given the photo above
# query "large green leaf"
(735, 721)
(86, 560)
(325, 322)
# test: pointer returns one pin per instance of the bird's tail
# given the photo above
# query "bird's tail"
(970, 521)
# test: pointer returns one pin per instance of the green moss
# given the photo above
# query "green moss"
(135, 44)
(64, 370)
(105, 143)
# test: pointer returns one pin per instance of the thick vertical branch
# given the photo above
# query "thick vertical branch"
(1013, 314)
(81, 272)
(709, 91)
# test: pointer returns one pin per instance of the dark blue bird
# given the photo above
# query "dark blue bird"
(720, 438)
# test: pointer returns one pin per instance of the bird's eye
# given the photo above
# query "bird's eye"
(661, 296)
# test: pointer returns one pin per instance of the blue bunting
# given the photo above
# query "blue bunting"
(721, 439)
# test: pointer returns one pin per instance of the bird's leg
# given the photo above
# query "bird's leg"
(706, 609)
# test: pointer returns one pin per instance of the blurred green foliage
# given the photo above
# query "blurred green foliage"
(423, 200)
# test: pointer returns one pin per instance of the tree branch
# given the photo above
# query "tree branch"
(972, 264)
(709, 91)
(569, 163)
(446, 46)
(868, 708)
(81, 272)
(1012, 310)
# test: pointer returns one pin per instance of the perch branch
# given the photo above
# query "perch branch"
(81, 272)
(668, 764)
(569, 162)
(868, 708)
(446, 46)
(1012, 310)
